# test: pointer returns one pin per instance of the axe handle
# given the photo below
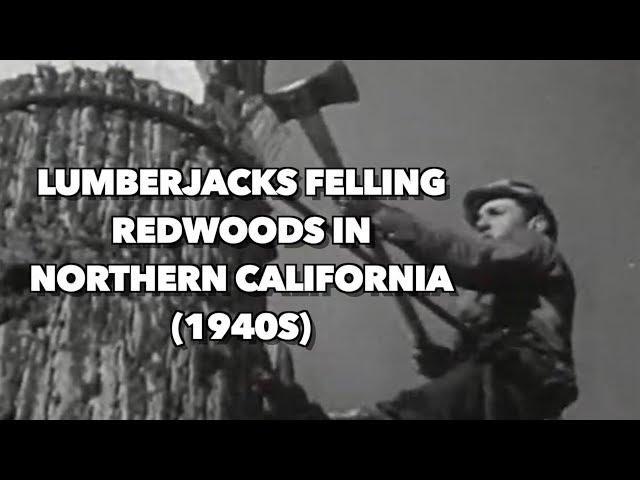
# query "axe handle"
(285, 370)
(418, 333)
(320, 137)
(445, 316)
(318, 133)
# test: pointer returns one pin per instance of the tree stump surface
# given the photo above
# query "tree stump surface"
(111, 357)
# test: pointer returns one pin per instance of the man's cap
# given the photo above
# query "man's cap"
(523, 192)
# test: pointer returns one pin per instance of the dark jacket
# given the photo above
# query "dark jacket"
(518, 283)
(518, 296)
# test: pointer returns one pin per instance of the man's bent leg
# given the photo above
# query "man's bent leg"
(464, 393)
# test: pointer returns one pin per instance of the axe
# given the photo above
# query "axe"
(303, 101)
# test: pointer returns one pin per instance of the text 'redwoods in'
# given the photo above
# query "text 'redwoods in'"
(237, 231)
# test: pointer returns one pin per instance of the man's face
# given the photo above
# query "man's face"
(501, 217)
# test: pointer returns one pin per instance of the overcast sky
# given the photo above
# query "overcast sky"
(571, 127)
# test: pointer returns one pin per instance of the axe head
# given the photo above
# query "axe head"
(307, 97)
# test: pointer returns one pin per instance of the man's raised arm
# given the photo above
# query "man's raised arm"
(474, 262)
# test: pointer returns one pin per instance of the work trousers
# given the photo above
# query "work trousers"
(470, 391)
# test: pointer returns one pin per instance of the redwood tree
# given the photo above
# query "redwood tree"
(111, 357)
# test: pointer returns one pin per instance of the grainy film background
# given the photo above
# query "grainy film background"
(570, 127)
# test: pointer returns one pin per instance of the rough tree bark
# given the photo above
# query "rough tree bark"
(110, 357)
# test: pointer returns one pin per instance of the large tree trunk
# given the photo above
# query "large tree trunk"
(110, 357)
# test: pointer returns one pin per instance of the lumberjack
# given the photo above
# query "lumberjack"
(518, 298)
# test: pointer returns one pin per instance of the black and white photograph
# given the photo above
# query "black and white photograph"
(319, 240)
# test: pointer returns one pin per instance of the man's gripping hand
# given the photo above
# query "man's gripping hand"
(433, 361)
